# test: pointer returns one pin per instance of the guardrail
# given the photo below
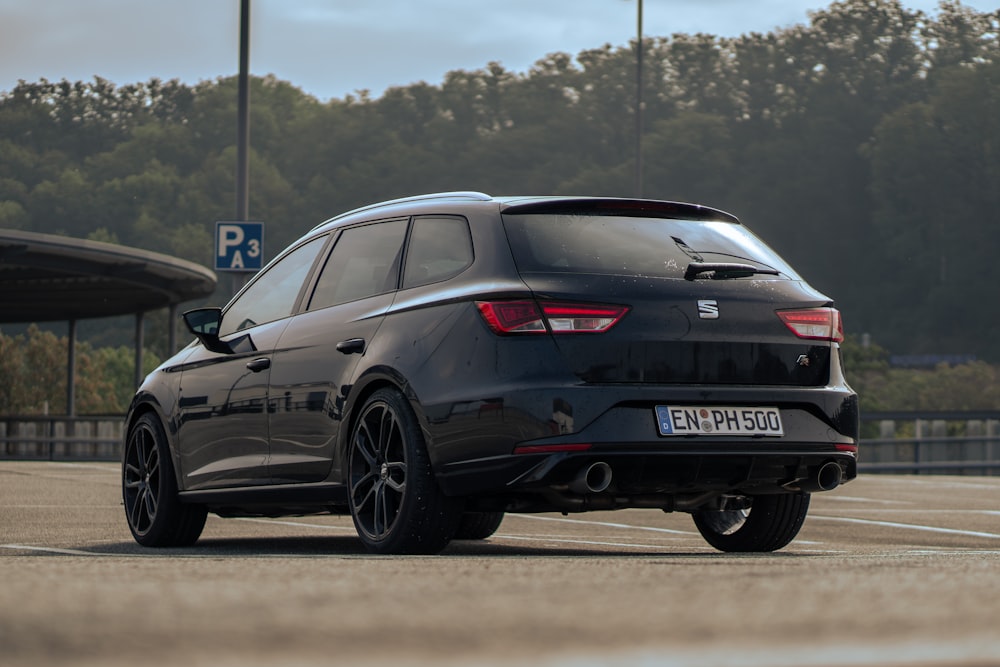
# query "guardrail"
(954, 443)
(61, 438)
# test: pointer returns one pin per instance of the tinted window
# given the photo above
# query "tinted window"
(631, 246)
(272, 296)
(439, 248)
(364, 262)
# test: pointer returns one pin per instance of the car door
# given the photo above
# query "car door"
(319, 351)
(222, 436)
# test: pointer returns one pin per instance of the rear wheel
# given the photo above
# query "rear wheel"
(155, 514)
(395, 501)
(770, 523)
(478, 525)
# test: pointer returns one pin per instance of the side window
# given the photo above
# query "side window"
(439, 248)
(272, 296)
(364, 262)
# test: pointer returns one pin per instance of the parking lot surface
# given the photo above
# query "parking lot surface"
(888, 570)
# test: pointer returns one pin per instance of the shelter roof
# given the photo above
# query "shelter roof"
(45, 278)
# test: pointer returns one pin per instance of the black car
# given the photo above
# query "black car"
(430, 363)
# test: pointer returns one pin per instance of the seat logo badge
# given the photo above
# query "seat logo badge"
(708, 309)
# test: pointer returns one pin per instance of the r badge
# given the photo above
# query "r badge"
(708, 309)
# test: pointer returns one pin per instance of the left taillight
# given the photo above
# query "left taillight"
(525, 316)
(814, 323)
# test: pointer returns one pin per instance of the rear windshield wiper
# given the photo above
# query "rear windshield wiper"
(725, 270)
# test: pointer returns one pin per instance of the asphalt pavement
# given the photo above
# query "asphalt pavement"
(888, 570)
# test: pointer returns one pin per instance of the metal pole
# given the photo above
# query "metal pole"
(243, 119)
(71, 371)
(140, 341)
(638, 104)
(172, 329)
(243, 131)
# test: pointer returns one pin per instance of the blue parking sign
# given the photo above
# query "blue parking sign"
(239, 246)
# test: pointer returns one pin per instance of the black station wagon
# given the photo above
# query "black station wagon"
(431, 363)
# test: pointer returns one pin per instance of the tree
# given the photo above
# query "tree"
(935, 168)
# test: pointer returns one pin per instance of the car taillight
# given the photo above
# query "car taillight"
(814, 323)
(525, 316)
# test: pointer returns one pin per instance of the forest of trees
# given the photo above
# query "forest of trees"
(864, 146)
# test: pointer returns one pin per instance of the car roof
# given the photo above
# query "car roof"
(532, 204)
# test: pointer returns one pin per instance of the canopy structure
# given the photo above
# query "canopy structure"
(46, 278)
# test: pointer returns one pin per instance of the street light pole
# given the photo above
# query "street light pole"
(638, 104)
(243, 118)
(243, 131)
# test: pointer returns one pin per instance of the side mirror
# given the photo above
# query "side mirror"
(204, 324)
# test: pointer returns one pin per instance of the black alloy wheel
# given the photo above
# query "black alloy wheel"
(395, 501)
(770, 523)
(155, 514)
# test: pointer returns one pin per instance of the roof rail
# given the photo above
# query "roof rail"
(461, 194)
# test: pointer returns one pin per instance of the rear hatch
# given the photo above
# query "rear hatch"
(699, 298)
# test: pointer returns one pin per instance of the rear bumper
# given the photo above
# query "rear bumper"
(651, 475)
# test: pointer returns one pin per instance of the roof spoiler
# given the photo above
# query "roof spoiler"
(644, 208)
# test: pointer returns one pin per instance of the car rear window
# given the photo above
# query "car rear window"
(625, 245)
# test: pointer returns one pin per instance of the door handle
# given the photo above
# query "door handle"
(258, 365)
(351, 345)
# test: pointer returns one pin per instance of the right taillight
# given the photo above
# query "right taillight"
(526, 316)
(814, 323)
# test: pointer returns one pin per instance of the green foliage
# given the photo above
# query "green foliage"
(33, 368)
(862, 146)
(969, 386)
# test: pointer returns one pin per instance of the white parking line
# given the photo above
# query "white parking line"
(606, 524)
(909, 526)
(973, 650)
(936, 481)
(295, 524)
(51, 550)
(867, 501)
(560, 540)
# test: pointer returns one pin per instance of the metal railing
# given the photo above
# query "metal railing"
(955, 443)
(61, 438)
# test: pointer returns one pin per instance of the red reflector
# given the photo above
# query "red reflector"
(523, 316)
(506, 317)
(850, 449)
(814, 323)
(548, 449)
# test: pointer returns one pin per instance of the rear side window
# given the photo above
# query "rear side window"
(364, 262)
(439, 248)
(624, 245)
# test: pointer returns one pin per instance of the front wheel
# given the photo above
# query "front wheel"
(395, 501)
(770, 523)
(155, 514)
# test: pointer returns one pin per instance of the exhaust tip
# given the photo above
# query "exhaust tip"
(595, 478)
(829, 476)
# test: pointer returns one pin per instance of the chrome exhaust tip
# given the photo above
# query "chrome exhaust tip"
(593, 479)
(827, 478)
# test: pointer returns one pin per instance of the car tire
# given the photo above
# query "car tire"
(395, 501)
(155, 514)
(478, 525)
(771, 522)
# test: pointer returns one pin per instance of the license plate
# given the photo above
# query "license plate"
(718, 420)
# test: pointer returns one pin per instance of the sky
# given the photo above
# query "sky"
(332, 48)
